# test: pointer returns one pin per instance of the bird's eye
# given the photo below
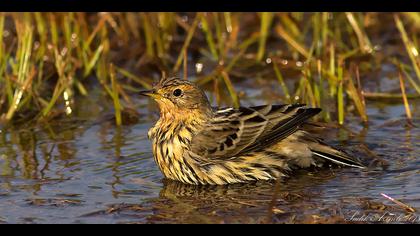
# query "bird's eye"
(177, 92)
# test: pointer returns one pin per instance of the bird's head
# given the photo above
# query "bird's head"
(179, 98)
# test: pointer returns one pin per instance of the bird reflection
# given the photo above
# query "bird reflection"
(243, 203)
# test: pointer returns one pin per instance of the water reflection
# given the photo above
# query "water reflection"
(238, 203)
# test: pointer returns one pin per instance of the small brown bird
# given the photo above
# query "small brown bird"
(197, 144)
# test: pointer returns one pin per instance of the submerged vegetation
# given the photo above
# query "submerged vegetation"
(47, 60)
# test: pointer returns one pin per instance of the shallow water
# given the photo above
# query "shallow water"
(84, 171)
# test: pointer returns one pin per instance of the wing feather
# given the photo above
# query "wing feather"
(238, 131)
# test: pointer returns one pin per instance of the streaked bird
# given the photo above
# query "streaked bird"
(197, 144)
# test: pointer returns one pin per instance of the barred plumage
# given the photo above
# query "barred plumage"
(197, 144)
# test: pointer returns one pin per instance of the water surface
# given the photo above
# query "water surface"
(87, 170)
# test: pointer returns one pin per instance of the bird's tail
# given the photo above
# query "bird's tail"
(326, 152)
(339, 158)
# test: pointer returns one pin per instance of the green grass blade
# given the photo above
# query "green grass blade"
(266, 19)
(115, 96)
(231, 89)
(412, 51)
(340, 96)
(187, 42)
(279, 77)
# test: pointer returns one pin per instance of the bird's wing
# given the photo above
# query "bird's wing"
(239, 131)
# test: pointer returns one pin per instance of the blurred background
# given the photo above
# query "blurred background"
(331, 60)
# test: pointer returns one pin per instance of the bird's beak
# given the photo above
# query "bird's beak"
(150, 93)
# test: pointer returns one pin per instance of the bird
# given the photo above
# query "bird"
(195, 143)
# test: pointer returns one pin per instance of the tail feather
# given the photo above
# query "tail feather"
(339, 158)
